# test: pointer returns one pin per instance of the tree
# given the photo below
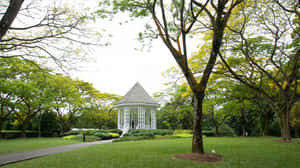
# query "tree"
(65, 97)
(174, 22)
(46, 32)
(240, 103)
(9, 16)
(22, 90)
(97, 110)
(177, 113)
(270, 55)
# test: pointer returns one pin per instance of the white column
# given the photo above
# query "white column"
(126, 118)
(153, 119)
(139, 116)
(143, 117)
(119, 119)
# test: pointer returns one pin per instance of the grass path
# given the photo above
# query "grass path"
(238, 153)
(20, 145)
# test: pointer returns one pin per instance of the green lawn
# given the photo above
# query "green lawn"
(238, 153)
(20, 145)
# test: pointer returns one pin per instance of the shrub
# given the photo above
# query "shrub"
(226, 130)
(114, 135)
(183, 131)
(274, 128)
(73, 132)
(88, 138)
(208, 132)
(118, 131)
(69, 137)
(9, 134)
(149, 132)
(103, 135)
(132, 138)
(183, 135)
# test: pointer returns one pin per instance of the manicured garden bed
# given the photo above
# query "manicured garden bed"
(249, 152)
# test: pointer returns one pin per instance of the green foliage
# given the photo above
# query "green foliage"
(114, 135)
(73, 132)
(17, 131)
(133, 138)
(88, 138)
(177, 113)
(226, 130)
(182, 131)
(69, 137)
(32, 96)
(208, 132)
(183, 135)
(275, 127)
(295, 115)
(103, 135)
(149, 132)
(118, 131)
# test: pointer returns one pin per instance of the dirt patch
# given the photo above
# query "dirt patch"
(281, 140)
(202, 158)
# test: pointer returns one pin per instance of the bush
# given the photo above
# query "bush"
(9, 134)
(118, 131)
(69, 137)
(274, 127)
(226, 130)
(208, 132)
(132, 138)
(114, 135)
(73, 132)
(88, 138)
(103, 135)
(149, 132)
(183, 131)
(183, 135)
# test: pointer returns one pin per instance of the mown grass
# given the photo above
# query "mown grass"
(20, 145)
(238, 152)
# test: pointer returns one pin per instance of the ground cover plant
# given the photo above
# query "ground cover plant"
(92, 135)
(248, 152)
(20, 145)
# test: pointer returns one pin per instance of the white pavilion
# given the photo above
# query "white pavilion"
(137, 110)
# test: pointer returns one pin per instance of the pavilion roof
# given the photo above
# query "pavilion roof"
(137, 95)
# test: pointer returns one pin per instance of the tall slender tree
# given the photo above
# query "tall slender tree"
(173, 22)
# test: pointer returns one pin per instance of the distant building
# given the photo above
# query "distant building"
(137, 110)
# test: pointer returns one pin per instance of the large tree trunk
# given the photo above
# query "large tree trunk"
(39, 127)
(9, 16)
(243, 122)
(266, 127)
(244, 130)
(197, 146)
(23, 134)
(285, 130)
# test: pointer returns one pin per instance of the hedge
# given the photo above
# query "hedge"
(132, 138)
(9, 134)
(149, 132)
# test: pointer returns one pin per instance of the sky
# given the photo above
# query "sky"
(116, 68)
